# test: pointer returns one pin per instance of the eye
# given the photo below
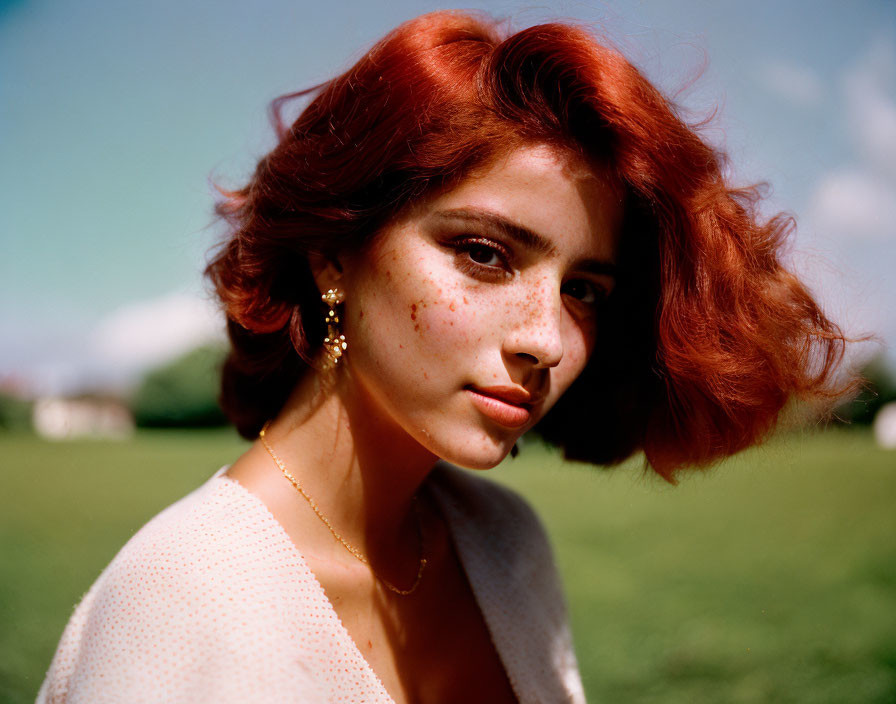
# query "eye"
(584, 291)
(483, 258)
(484, 255)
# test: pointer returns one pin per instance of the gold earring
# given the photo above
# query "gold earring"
(334, 342)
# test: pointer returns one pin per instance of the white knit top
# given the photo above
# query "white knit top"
(211, 601)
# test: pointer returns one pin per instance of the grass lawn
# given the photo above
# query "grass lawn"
(769, 579)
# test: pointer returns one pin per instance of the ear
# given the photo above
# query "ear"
(327, 271)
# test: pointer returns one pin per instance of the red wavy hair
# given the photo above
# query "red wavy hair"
(707, 334)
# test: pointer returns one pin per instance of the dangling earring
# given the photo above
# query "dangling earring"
(334, 342)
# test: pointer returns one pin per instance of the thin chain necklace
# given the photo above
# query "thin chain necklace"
(348, 546)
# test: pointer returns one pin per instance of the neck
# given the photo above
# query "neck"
(361, 469)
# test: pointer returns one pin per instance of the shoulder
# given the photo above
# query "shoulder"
(210, 547)
(208, 541)
(193, 598)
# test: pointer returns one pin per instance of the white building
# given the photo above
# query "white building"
(58, 418)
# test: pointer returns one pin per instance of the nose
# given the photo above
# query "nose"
(536, 337)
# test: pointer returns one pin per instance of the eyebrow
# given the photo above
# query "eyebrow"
(522, 235)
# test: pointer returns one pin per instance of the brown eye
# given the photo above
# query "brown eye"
(482, 258)
(484, 255)
(584, 291)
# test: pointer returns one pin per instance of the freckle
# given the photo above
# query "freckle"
(361, 314)
(416, 328)
(451, 323)
(425, 375)
(452, 307)
(388, 274)
(465, 300)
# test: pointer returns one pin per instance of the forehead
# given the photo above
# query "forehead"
(574, 205)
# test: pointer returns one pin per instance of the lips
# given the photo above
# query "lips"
(509, 406)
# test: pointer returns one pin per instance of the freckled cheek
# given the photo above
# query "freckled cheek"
(438, 306)
(418, 302)
(577, 348)
(412, 331)
(575, 358)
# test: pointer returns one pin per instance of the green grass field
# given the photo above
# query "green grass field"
(769, 579)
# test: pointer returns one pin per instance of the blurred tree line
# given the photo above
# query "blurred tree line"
(878, 389)
(15, 412)
(183, 393)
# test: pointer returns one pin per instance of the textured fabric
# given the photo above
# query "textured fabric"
(510, 567)
(212, 602)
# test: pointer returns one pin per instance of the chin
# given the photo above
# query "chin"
(480, 456)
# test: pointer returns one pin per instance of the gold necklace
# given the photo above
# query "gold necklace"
(348, 546)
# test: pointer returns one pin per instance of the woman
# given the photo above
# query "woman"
(462, 238)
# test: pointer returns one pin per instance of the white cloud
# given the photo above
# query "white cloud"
(140, 335)
(869, 89)
(851, 214)
(858, 200)
(854, 203)
(113, 353)
(798, 85)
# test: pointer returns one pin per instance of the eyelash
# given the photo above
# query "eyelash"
(464, 246)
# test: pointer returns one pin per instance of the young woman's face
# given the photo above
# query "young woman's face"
(471, 314)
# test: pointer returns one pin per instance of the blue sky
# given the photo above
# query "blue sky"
(115, 118)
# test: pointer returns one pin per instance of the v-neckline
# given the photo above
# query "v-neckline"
(324, 601)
